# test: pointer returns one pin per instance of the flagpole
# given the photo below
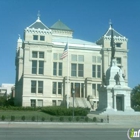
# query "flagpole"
(68, 76)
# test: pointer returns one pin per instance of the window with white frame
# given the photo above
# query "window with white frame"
(77, 70)
(40, 103)
(36, 86)
(57, 88)
(33, 103)
(57, 68)
(38, 63)
(96, 71)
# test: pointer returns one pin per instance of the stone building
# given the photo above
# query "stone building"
(44, 79)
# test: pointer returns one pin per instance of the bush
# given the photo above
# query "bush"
(70, 119)
(51, 119)
(94, 119)
(86, 119)
(12, 118)
(63, 111)
(77, 119)
(61, 119)
(2, 118)
(23, 118)
(102, 120)
(33, 118)
(42, 119)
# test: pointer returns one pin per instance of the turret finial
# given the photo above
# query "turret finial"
(110, 24)
(38, 16)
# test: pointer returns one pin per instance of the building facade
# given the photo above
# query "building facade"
(44, 79)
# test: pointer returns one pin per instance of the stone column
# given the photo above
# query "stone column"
(67, 90)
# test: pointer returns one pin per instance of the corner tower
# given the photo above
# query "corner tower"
(121, 50)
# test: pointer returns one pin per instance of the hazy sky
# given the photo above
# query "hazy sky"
(88, 18)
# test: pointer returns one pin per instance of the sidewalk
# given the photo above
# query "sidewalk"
(66, 125)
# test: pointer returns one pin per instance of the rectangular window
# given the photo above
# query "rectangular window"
(94, 90)
(33, 103)
(41, 67)
(94, 59)
(73, 69)
(93, 70)
(60, 69)
(34, 67)
(40, 103)
(59, 102)
(98, 71)
(34, 54)
(54, 68)
(59, 88)
(54, 88)
(35, 37)
(80, 70)
(33, 86)
(41, 54)
(54, 102)
(73, 57)
(80, 58)
(118, 60)
(55, 56)
(42, 38)
(118, 44)
(40, 86)
(98, 59)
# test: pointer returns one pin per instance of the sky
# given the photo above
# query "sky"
(88, 18)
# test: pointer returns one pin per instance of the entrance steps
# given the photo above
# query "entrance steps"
(119, 117)
(80, 102)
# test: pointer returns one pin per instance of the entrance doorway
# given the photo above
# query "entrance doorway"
(119, 102)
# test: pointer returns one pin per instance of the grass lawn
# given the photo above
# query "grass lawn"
(28, 115)
(38, 115)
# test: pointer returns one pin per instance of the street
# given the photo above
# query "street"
(63, 134)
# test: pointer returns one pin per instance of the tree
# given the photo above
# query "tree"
(3, 101)
(135, 97)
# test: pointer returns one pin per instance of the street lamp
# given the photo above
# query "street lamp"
(73, 92)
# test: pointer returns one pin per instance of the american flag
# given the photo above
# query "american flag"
(65, 53)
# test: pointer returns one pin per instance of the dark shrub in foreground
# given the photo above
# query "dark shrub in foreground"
(63, 111)
(23, 118)
(102, 120)
(86, 119)
(12, 118)
(51, 119)
(42, 119)
(2, 118)
(33, 118)
(61, 119)
(70, 119)
(77, 119)
(94, 119)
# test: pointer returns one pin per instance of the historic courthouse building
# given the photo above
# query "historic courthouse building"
(44, 79)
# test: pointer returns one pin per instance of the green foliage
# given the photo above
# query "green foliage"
(12, 118)
(102, 120)
(61, 119)
(3, 101)
(42, 119)
(33, 118)
(2, 117)
(86, 119)
(23, 118)
(70, 119)
(77, 119)
(94, 119)
(63, 111)
(51, 119)
(135, 98)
